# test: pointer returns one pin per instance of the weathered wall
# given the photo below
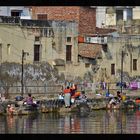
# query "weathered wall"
(21, 39)
(136, 12)
(100, 12)
(14, 39)
(42, 75)
(110, 19)
(62, 30)
(115, 47)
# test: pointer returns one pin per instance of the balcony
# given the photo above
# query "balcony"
(24, 22)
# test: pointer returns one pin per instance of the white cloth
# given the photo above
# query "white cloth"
(110, 95)
(138, 85)
(72, 100)
(60, 97)
(98, 94)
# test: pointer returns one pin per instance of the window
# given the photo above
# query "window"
(68, 39)
(8, 49)
(37, 38)
(68, 52)
(36, 52)
(16, 13)
(112, 69)
(134, 64)
(104, 47)
(119, 15)
(129, 14)
(87, 65)
(42, 16)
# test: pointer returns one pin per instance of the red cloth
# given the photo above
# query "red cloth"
(137, 101)
(66, 91)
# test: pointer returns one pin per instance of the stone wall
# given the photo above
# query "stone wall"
(37, 78)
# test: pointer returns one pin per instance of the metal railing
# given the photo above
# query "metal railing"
(31, 89)
(56, 89)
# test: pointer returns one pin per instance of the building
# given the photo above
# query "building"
(16, 11)
(96, 36)
(67, 38)
(85, 16)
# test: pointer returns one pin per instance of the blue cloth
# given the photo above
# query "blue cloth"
(107, 94)
(19, 98)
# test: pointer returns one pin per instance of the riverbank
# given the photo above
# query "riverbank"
(51, 103)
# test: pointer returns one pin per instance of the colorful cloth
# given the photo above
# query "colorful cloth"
(134, 85)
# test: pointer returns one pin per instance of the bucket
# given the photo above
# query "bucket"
(72, 100)
(123, 97)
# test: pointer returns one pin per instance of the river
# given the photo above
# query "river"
(95, 122)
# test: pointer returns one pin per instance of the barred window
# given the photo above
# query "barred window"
(68, 39)
(134, 64)
(36, 52)
(42, 16)
(68, 52)
(112, 69)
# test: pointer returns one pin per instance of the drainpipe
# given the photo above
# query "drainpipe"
(122, 69)
(22, 83)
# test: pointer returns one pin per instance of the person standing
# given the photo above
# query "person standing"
(67, 96)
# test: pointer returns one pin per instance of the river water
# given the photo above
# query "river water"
(95, 122)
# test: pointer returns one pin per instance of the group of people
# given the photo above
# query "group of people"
(69, 95)
(25, 101)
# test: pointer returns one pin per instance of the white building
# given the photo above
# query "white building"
(100, 16)
(23, 12)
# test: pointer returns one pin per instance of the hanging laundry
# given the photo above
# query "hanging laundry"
(134, 85)
(138, 85)
(104, 85)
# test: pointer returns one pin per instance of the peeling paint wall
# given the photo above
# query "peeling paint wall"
(15, 38)
(42, 75)
(131, 46)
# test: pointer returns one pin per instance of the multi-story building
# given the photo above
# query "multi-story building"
(124, 38)
(76, 43)
(85, 16)
(123, 18)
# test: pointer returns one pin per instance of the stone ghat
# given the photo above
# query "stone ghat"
(55, 105)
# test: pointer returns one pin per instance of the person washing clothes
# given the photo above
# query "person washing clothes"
(67, 96)
(29, 101)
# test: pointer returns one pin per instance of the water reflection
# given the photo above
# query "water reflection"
(96, 122)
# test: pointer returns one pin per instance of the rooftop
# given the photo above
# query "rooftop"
(90, 50)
